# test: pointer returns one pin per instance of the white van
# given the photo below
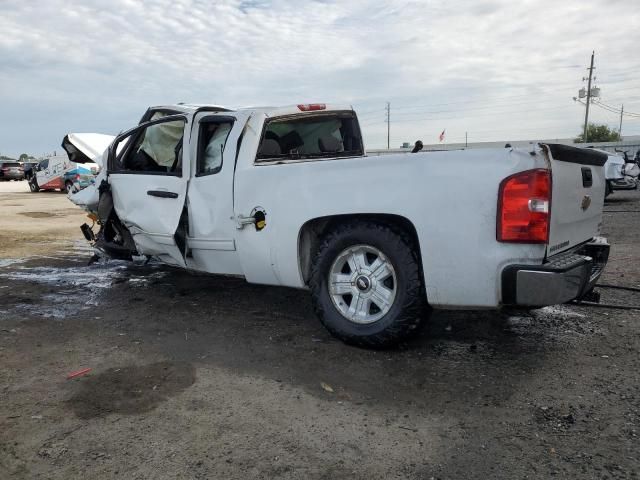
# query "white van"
(59, 173)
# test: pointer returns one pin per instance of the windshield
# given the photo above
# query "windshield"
(328, 135)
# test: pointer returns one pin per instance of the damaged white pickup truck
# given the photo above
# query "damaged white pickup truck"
(287, 196)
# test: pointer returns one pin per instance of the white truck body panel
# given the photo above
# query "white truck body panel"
(212, 231)
(454, 215)
(149, 220)
(451, 220)
(576, 210)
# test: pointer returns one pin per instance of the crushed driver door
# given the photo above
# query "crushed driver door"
(148, 171)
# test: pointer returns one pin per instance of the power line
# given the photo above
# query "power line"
(475, 104)
(612, 109)
(631, 114)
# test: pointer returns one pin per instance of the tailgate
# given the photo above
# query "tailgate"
(577, 196)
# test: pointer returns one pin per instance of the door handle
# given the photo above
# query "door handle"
(587, 177)
(162, 194)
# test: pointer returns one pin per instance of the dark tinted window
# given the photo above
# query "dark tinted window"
(328, 135)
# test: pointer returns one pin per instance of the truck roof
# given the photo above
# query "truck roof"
(269, 111)
(190, 107)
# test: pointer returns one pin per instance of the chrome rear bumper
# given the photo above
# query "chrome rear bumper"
(565, 277)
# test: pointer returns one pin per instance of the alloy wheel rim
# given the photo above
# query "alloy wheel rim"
(362, 284)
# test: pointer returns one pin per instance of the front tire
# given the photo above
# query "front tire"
(33, 185)
(366, 285)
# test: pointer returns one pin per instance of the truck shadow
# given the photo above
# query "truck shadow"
(131, 389)
(194, 320)
(273, 333)
(617, 200)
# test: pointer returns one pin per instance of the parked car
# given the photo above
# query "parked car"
(630, 173)
(613, 170)
(11, 171)
(287, 196)
(59, 173)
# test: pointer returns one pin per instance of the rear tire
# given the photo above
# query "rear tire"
(366, 285)
(68, 185)
(608, 190)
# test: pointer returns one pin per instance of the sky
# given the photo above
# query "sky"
(493, 69)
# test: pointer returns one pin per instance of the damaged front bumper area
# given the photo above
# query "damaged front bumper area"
(564, 277)
(113, 239)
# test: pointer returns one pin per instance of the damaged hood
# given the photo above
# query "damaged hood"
(86, 147)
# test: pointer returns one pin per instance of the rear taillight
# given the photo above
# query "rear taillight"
(524, 207)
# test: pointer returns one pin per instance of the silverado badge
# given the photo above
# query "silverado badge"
(586, 201)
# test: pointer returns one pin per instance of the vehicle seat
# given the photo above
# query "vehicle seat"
(270, 135)
(330, 144)
(270, 148)
(291, 141)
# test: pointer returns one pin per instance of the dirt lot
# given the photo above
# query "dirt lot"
(36, 223)
(198, 376)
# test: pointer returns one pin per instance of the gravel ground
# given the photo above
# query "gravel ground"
(197, 376)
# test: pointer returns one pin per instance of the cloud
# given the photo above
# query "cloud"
(496, 69)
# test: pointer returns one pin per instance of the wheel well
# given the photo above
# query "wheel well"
(314, 230)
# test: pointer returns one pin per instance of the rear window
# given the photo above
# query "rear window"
(10, 164)
(306, 136)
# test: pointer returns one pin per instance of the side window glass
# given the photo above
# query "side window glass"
(212, 140)
(156, 148)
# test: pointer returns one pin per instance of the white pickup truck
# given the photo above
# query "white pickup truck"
(287, 196)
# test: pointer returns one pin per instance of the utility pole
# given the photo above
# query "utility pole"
(388, 109)
(465, 140)
(586, 114)
(620, 129)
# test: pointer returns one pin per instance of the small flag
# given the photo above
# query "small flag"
(442, 135)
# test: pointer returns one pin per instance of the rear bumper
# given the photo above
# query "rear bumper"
(11, 176)
(565, 277)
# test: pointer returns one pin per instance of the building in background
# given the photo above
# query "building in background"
(630, 144)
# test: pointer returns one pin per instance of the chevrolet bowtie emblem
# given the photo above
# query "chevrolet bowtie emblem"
(586, 201)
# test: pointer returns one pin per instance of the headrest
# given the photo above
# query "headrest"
(270, 147)
(291, 141)
(330, 144)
